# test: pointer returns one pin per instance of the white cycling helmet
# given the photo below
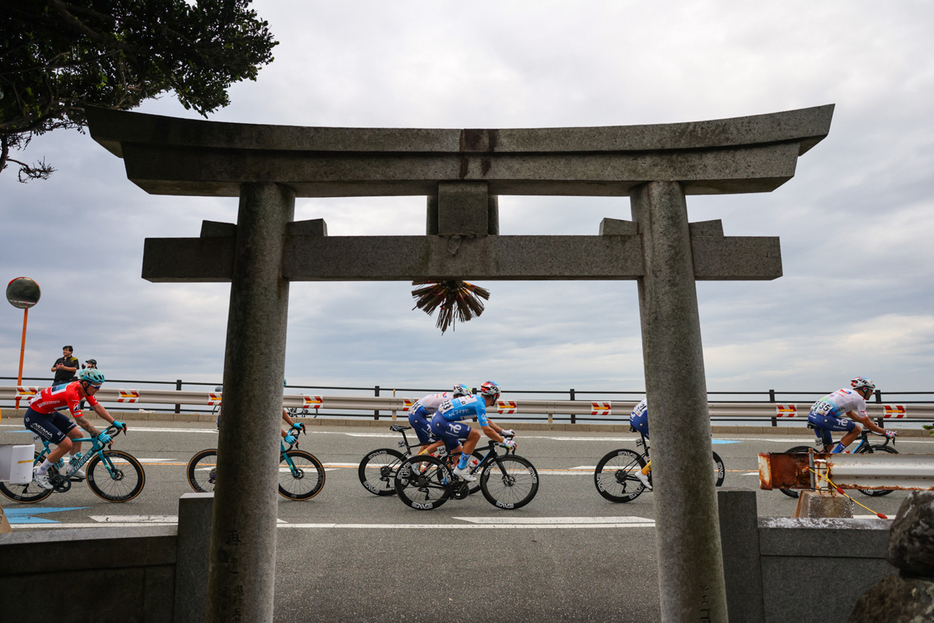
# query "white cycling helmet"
(859, 383)
(489, 389)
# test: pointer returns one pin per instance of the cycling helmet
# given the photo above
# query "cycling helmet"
(489, 389)
(859, 383)
(460, 390)
(92, 376)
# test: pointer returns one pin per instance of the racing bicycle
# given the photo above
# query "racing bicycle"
(113, 475)
(377, 470)
(508, 481)
(301, 474)
(615, 475)
(864, 447)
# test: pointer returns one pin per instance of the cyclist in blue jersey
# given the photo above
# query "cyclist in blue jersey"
(423, 409)
(447, 424)
(639, 421)
(827, 414)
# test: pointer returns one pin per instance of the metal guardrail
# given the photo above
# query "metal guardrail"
(396, 404)
(878, 470)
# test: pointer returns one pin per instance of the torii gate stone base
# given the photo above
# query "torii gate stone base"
(461, 172)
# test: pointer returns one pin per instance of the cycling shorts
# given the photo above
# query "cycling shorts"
(53, 427)
(450, 432)
(419, 419)
(640, 423)
(823, 424)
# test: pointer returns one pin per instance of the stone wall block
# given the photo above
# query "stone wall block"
(911, 542)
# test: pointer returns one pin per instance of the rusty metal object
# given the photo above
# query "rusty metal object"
(891, 472)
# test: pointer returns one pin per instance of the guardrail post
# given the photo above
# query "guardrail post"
(880, 421)
(573, 416)
(178, 388)
(376, 393)
(772, 399)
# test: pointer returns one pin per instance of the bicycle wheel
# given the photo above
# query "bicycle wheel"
(115, 476)
(377, 471)
(202, 471)
(26, 494)
(422, 482)
(615, 477)
(509, 482)
(718, 470)
(301, 475)
(792, 493)
(864, 449)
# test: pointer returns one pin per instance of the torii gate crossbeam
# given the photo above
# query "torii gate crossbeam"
(462, 172)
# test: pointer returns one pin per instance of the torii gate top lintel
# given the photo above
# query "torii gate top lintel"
(166, 155)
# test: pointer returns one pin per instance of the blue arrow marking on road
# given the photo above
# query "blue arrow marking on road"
(24, 515)
(722, 441)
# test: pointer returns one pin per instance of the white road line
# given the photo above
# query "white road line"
(553, 520)
(472, 523)
(135, 519)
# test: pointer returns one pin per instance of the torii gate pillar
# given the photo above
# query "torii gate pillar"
(243, 535)
(676, 390)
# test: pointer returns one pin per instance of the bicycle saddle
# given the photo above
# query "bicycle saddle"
(398, 428)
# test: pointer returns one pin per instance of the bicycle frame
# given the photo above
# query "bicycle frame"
(488, 458)
(863, 441)
(96, 448)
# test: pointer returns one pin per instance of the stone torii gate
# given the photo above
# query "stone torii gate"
(461, 172)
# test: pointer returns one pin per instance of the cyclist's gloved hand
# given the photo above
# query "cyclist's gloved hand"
(890, 433)
(104, 438)
(509, 443)
(120, 425)
(509, 433)
(297, 425)
(290, 439)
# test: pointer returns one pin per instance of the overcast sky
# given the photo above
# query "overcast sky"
(855, 222)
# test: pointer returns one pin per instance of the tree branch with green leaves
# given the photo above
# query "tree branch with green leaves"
(57, 57)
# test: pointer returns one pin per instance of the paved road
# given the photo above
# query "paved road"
(351, 556)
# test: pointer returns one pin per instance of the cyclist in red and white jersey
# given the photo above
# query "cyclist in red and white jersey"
(43, 419)
(827, 414)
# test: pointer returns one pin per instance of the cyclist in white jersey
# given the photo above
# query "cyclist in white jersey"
(827, 414)
(421, 412)
(446, 424)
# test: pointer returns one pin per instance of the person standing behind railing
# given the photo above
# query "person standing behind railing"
(65, 367)
(827, 414)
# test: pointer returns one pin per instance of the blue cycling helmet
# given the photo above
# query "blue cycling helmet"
(92, 376)
(460, 390)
